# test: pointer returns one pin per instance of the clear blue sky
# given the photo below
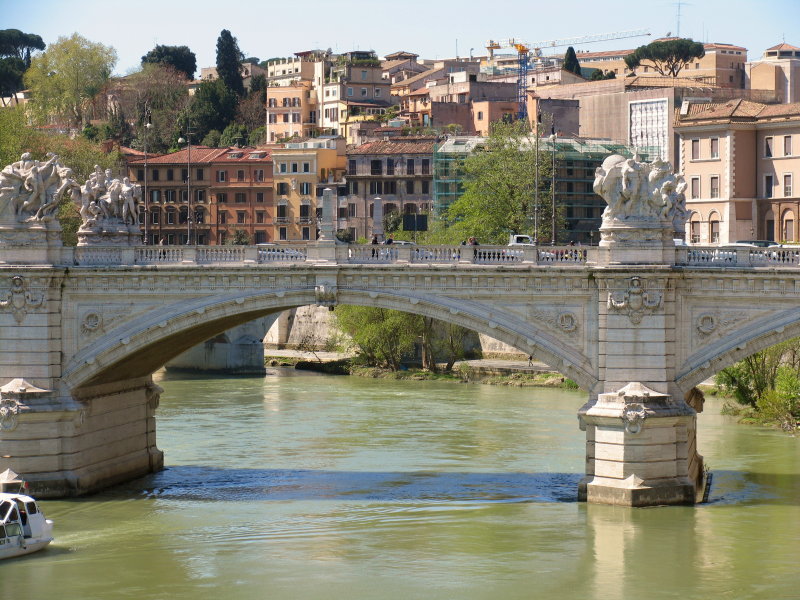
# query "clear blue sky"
(431, 28)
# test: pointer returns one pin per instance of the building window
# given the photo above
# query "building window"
(259, 196)
(200, 196)
(261, 237)
(768, 185)
(353, 187)
(695, 232)
(282, 234)
(170, 217)
(199, 216)
(305, 188)
(184, 175)
(390, 166)
(170, 175)
(480, 115)
(349, 91)
(695, 149)
(283, 188)
(260, 217)
(169, 195)
(281, 212)
(787, 145)
(410, 166)
(222, 176)
(351, 167)
(426, 166)
(222, 197)
(714, 147)
(155, 196)
(306, 233)
(714, 186)
(375, 187)
(222, 218)
(363, 75)
(352, 210)
(240, 198)
(306, 167)
(787, 185)
(409, 186)
(695, 187)
(140, 174)
(426, 186)
(240, 217)
(259, 174)
(364, 92)
(768, 147)
(376, 167)
(714, 229)
(283, 167)
(200, 174)
(155, 175)
(154, 217)
(240, 175)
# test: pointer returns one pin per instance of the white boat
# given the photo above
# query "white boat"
(23, 527)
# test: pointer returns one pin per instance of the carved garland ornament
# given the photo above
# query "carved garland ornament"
(19, 299)
(635, 301)
(565, 321)
(708, 323)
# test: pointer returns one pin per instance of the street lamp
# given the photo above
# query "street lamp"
(188, 185)
(553, 191)
(147, 127)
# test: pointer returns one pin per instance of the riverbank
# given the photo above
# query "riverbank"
(493, 371)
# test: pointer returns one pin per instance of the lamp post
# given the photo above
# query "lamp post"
(147, 127)
(188, 185)
(553, 190)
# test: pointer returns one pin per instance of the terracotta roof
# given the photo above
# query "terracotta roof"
(419, 77)
(739, 109)
(204, 154)
(613, 53)
(420, 92)
(400, 145)
(782, 46)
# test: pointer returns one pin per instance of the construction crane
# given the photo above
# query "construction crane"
(524, 52)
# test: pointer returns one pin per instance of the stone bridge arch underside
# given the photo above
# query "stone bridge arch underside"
(146, 342)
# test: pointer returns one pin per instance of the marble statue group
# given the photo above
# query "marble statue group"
(639, 191)
(105, 199)
(30, 190)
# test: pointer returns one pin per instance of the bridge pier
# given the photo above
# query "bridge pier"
(73, 445)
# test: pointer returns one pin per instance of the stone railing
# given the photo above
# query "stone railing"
(737, 256)
(561, 256)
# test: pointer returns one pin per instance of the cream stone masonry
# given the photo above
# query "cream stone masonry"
(637, 323)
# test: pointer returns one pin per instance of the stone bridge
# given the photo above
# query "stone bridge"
(637, 322)
(83, 329)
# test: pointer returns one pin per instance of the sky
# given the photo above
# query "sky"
(430, 28)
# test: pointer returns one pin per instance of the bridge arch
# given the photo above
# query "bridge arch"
(738, 345)
(144, 344)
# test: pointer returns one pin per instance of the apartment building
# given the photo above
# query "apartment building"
(399, 171)
(291, 111)
(740, 160)
(201, 195)
(249, 70)
(242, 195)
(723, 65)
(302, 169)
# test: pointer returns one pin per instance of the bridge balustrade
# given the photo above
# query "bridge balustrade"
(220, 254)
(153, 255)
(722, 256)
(275, 254)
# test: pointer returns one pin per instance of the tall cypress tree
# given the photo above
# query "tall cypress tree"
(229, 62)
(571, 63)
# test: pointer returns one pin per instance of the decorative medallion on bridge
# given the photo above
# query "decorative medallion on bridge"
(19, 300)
(633, 417)
(565, 321)
(720, 322)
(635, 301)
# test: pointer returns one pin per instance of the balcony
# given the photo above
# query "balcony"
(283, 220)
(305, 220)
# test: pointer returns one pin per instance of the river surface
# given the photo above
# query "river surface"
(300, 486)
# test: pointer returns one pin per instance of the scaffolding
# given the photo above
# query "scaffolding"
(575, 159)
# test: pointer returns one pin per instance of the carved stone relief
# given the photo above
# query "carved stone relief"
(636, 302)
(19, 300)
(9, 409)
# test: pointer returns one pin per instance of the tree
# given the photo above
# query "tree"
(239, 238)
(234, 135)
(571, 63)
(16, 44)
(598, 75)
(749, 380)
(65, 78)
(383, 336)
(12, 70)
(180, 58)
(258, 87)
(499, 188)
(213, 107)
(667, 57)
(229, 62)
(250, 112)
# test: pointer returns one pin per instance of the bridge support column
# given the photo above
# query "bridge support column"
(640, 449)
(73, 445)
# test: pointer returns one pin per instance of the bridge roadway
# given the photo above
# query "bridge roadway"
(83, 329)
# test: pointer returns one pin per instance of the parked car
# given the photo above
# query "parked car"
(756, 243)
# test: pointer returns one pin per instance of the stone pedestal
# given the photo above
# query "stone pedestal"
(113, 234)
(635, 241)
(640, 449)
(68, 446)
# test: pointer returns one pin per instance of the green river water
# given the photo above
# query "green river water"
(299, 486)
